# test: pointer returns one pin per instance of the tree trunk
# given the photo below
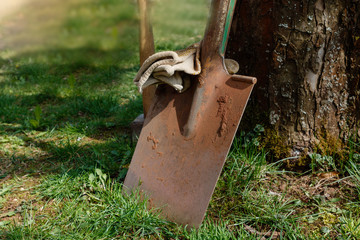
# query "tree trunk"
(306, 56)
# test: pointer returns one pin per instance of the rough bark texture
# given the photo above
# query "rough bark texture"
(306, 56)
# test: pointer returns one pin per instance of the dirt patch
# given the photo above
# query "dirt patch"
(314, 187)
(20, 196)
(323, 194)
(321, 200)
(223, 109)
(154, 140)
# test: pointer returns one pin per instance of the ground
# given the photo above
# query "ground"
(66, 102)
(8, 7)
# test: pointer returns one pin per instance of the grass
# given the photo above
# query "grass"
(65, 143)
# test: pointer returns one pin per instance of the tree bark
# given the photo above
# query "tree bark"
(306, 56)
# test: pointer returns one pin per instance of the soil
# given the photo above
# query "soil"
(154, 140)
(307, 188)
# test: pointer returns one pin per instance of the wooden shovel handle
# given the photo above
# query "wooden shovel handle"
(146, 48)
(217, 31)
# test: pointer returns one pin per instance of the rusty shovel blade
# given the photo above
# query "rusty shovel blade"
(186, 136)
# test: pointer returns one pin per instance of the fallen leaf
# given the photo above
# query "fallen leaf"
(327, 175)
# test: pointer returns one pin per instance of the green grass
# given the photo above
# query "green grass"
(66, 101)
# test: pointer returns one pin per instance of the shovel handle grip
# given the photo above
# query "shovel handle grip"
(241, 78)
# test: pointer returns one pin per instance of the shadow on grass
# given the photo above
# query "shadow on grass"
(86, 115)
(51, 66)
(98, 137)
(101, 86)
(99, 104)
(85, 94)
(74, 157)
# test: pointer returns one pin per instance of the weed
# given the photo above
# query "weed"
(37, 113)
(323, 163)
(102, 176)
(252, 137)
(71, 81)
(350, 226)
(353, 169)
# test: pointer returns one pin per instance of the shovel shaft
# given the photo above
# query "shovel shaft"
(228, 22)
(146, 35)
(147, 48)
(215, 39)
(212, 54)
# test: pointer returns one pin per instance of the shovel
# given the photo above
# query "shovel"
(186, 136)
(147, 47)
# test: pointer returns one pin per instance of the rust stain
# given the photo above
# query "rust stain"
(154, 140)
(160, 179)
